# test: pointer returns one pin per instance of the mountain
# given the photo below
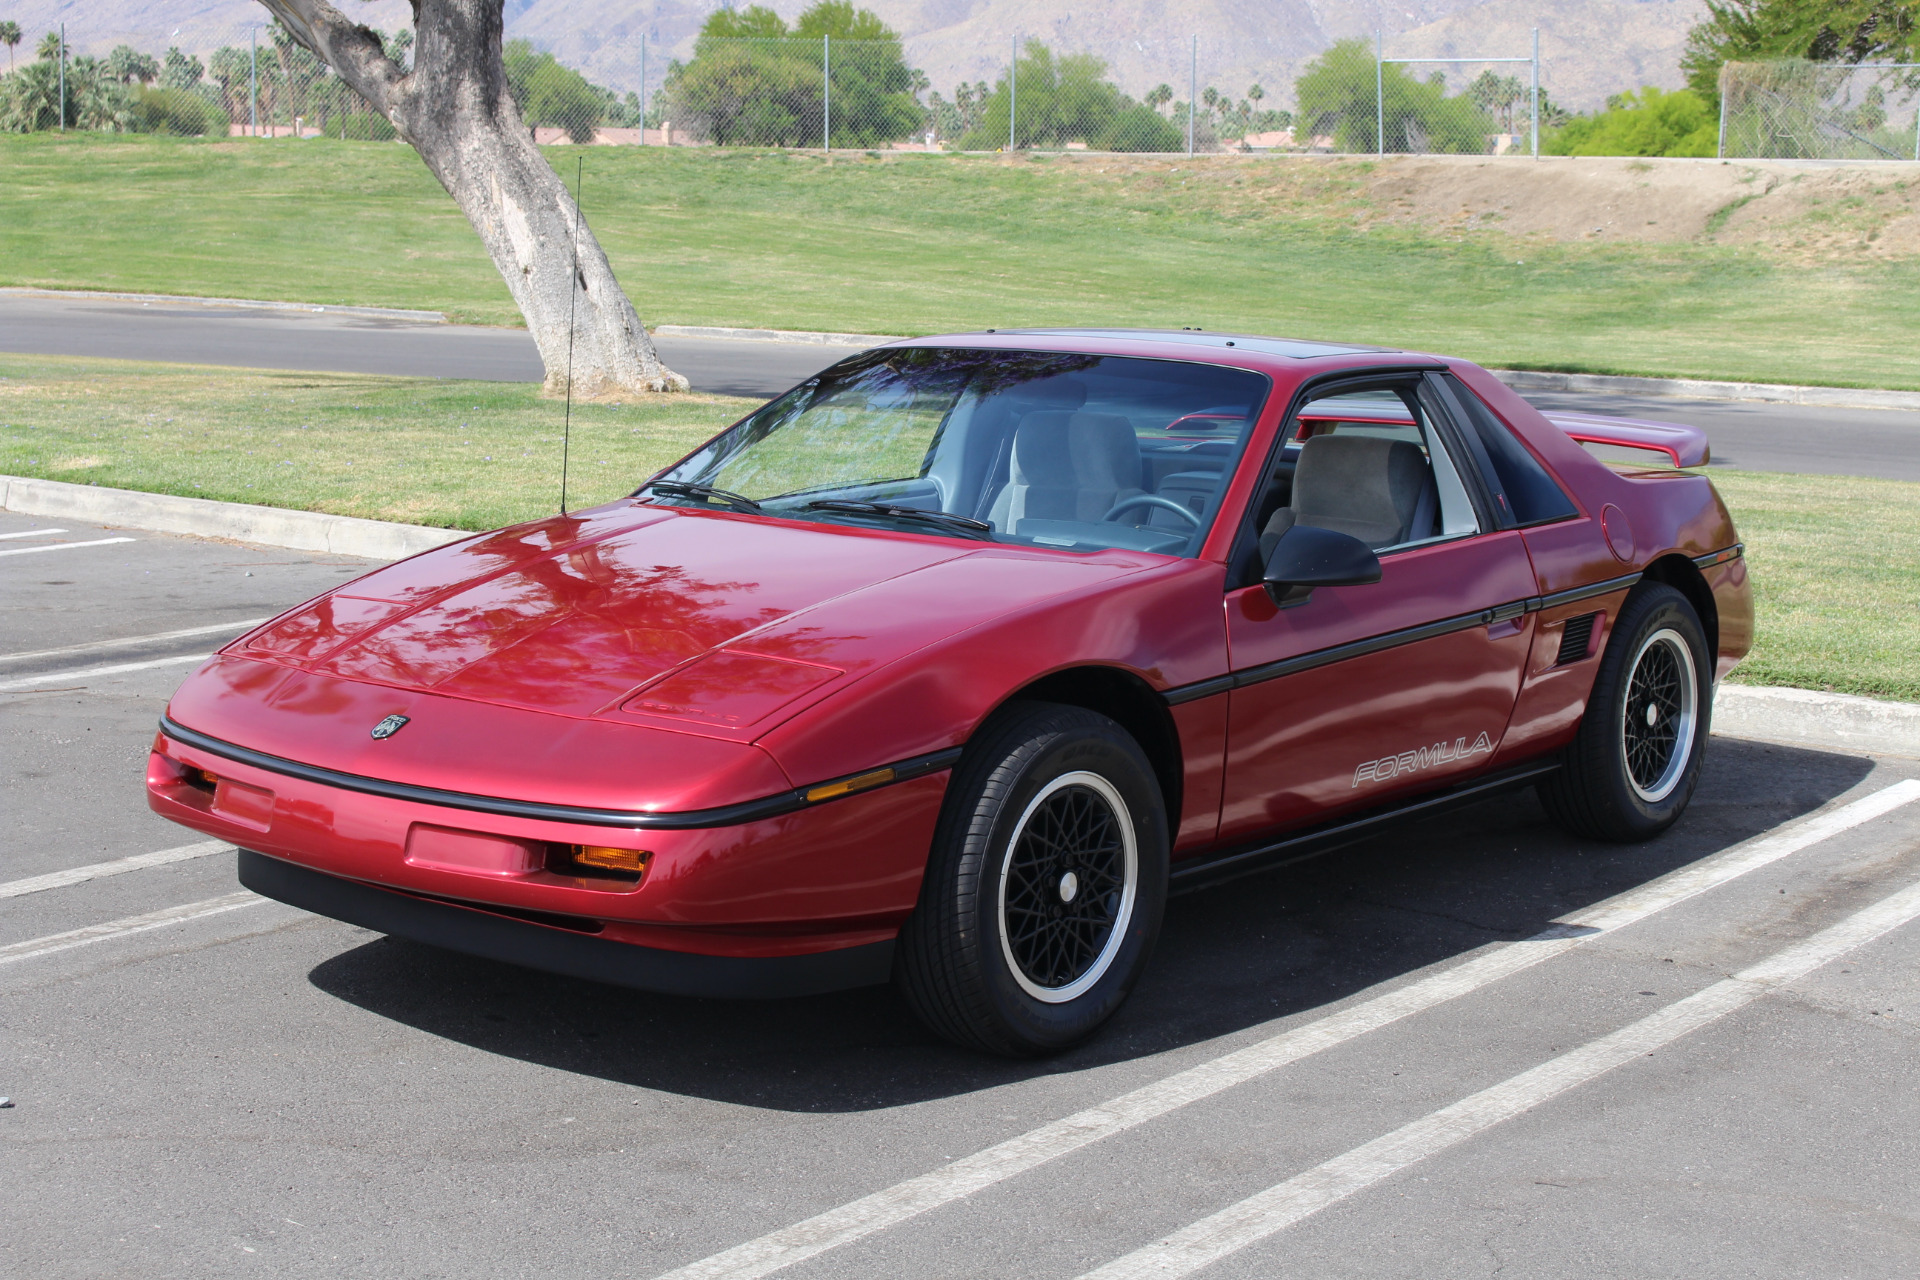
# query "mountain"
(1589, 48)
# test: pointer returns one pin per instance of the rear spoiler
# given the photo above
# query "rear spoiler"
(1687, 446)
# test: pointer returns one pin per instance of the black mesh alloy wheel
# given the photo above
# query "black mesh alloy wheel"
(1635, 760)
(1068, 885)
(1657, 717)
(1045, 885)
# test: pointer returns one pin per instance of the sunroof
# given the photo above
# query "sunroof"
(1242, 341)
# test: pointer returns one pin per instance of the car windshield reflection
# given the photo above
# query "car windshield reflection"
(1076, 452)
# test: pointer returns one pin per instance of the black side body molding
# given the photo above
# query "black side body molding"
(1392, 640)
(476, 931)
(686, 820)
(1231, 864)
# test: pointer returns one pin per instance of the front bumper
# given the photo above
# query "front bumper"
(478, 931)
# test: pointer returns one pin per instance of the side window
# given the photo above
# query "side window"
(1369, 464)
(1530, 494)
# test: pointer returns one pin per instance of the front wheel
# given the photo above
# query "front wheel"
(1045, 886)
(1633, 764)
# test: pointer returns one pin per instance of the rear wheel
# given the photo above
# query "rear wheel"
(1045, 886)
(1632, 767)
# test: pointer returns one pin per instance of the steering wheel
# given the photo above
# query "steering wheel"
(1152, 500)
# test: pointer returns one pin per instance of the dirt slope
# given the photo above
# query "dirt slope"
(1805, 210)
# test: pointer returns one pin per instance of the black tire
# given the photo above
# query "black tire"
(1635, 760)
(1045, 803)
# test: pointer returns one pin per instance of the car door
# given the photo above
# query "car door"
(1360, 694)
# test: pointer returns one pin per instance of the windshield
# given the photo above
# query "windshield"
(1072, 451)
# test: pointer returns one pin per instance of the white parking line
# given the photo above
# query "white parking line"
(949, 1183)
(36, 947)
(31, 533)
(92, 672)
(98, 870)
(130, 641)
(1271, 1211)
(62, 546)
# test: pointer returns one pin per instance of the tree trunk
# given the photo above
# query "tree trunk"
(454, 108)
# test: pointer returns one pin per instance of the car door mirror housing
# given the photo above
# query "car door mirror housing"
(1307, 557)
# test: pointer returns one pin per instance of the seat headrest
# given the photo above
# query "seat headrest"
(1095, 451)
(1364, 486)
(1058, 392)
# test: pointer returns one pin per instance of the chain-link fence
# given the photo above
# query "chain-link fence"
(1799, 110)
(822, 93)
(206, 81)
(827, 93)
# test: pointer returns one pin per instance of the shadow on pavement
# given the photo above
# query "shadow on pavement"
(1230, 958)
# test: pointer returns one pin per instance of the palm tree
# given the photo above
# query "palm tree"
(50, 47)
(10, 37)
(1255, 94)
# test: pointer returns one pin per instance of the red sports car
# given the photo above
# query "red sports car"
(948, 665)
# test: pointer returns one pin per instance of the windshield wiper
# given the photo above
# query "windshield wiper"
(979, 528)
(685, 489)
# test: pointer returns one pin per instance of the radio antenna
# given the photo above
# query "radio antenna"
(573, 295)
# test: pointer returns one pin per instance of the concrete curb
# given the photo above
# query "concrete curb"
(248, 304)
(1698, 389)
(202, 517)
(1834, 721)
(775, 335)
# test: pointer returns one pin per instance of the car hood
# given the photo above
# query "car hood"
(703, 622)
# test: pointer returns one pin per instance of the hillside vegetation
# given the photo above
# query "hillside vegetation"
(1754, 271)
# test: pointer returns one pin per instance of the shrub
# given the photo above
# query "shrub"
(1648, 123)
(1140, 128)
(180, 112)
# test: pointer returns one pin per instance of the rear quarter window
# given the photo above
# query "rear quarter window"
(1532, 495)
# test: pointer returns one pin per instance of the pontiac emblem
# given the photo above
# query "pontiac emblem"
(390, 726)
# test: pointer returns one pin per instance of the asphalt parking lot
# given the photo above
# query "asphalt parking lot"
(1469, 1048)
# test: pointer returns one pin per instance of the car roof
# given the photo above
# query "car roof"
(1291, 348)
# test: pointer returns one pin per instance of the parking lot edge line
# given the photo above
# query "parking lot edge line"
(129, 642)
(99, 870)
(956, 1181)
(30, 533)
(34, 948)
(1267, 1213)
(90, 672)
(63, 546)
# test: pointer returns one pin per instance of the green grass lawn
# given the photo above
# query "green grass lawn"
(920, 244)
(463, 455)
(1836, 568)
(1836, 580)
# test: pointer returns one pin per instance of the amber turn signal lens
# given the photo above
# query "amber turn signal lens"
(858, 783)
(631, 861)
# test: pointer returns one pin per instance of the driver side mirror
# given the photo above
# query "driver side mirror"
(1307, 557)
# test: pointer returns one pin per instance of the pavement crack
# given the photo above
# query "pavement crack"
(1429, 912)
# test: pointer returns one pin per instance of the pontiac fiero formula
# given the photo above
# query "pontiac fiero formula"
(946, 666)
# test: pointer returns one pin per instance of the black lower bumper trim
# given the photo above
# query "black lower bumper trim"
(479, 932)
(1209, 869)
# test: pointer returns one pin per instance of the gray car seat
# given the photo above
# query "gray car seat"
(1379, 491)
(1068, 466)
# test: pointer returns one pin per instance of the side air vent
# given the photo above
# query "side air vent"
(1576, 638)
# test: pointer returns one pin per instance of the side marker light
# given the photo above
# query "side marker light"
(632, 862)
(859, 782)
